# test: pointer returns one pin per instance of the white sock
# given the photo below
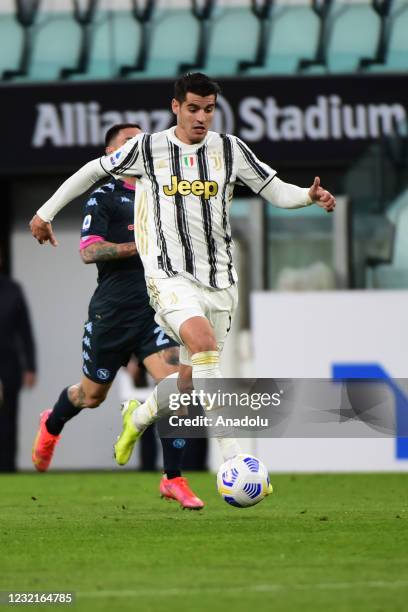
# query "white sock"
(229, 447)
(207, 365)
(157, 404)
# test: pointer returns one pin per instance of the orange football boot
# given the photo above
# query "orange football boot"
(178, 489)
(44, 445)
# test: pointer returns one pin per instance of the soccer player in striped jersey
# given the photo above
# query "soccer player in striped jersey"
(120, 323)
(187, 176)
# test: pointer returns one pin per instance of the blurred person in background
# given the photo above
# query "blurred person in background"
(17, 364)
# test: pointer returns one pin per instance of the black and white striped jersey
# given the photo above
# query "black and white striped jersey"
(183, 199)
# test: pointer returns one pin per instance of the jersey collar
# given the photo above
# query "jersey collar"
(171, 134)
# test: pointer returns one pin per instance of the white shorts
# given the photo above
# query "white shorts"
(177, 299)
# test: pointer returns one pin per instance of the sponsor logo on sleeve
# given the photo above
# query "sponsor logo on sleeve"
(114, 159)
(87, 223)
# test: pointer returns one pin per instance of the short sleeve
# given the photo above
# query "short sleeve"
(252, 172)
(96, 214)
(127, 160)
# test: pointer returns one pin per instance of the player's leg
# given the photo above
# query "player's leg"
(99, 368)
(177, 301)
(203, 339)
(160, 365)
(137, 417)
(72, 400)
(172, 485)
(159, 355)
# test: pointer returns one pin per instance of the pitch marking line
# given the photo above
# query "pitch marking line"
(260, 588)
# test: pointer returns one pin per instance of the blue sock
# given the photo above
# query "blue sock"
(62, 412)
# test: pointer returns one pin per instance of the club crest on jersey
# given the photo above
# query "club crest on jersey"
(160, 163)
(206, 189)
(216, 159)
(188, 161)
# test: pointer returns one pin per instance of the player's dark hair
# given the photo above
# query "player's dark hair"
(197, 83)
(115, 129)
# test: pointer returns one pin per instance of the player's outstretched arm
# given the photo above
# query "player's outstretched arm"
(262, 179)
(73, 187)
(285, 195)
(106, 251)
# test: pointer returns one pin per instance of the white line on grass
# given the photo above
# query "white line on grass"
(259, 588)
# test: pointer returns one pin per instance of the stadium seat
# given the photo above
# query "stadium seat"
(397, 214)
(11, 36)
(115, 42)
(286, 46)
(397, 57)
(61, 34)
(354, 32)
(395, 274)
(174, 40)
(233, 39)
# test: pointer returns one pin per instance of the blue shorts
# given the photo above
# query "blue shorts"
(106, 348)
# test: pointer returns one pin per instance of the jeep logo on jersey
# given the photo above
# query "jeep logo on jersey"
(207, 189)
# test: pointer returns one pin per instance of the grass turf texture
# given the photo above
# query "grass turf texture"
(320, 542)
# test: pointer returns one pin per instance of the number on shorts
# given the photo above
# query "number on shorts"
(161, 339)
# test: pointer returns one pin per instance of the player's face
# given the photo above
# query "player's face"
(121, 138)
(194, 117)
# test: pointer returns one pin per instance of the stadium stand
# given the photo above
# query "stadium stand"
(166, 45)
(343, 43)
(394, 274)
(102, 39)
(225, 52)
(11, 35)
(25, 15)
(349, 42)
(284, 47)
(397, 52)
(61, 33)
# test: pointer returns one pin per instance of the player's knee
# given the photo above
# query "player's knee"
(203, 343)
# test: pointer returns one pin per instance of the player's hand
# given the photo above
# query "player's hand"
(322, 197)
(42, 231)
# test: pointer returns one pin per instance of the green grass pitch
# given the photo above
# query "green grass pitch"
(320, 542)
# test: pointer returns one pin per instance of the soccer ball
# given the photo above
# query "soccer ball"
(243, 481)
